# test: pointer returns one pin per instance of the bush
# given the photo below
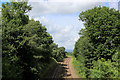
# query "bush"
(80, 69)
(104, 69)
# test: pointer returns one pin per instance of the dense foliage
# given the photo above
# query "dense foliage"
(0, 44)
(98, 47)
(58, 52)
(27, 47)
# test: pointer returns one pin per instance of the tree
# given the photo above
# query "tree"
(99, 42)
(102, 25)
(26, 49)
(36, 52)
(54, 48)
(13, 19)
(58, 52)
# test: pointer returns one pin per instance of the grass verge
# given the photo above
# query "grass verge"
(79, 69)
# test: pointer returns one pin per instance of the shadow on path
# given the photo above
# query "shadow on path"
(59, 72)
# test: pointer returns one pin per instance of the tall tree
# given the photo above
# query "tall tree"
(102, 25)
(36, 52)
(13, 19)
(99, 42)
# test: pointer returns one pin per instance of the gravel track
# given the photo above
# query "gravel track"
(63, 70)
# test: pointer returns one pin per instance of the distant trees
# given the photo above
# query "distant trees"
(58, 52)
(99, 42)
(26, 44)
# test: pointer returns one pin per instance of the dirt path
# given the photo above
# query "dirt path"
(73, 74)
(64, 69)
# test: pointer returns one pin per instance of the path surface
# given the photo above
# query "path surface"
(74, 75)
(64, 69)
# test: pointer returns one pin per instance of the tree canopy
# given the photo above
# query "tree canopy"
(27, 47)
(99, 42)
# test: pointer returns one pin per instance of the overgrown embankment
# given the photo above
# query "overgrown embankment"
(97, 50)
(79, 68)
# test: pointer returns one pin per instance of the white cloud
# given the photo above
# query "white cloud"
(73, 0)
(43, 8)
(63, 25)
(113, 5)
(62, 35)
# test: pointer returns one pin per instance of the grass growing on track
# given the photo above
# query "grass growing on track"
(79, 69)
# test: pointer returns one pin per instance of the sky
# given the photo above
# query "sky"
(61, 17)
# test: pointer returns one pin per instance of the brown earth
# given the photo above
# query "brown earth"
(73, 74)
(64, 70)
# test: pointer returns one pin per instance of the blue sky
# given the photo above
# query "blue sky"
(61, 18)
(0, 3)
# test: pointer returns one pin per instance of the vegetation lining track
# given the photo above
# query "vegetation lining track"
(57, 71)
(49, 75)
